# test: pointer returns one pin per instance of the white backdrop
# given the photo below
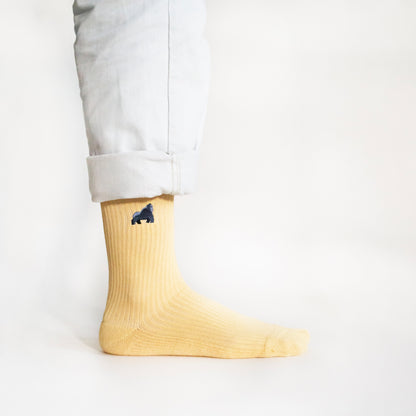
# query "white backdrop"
(305, 216)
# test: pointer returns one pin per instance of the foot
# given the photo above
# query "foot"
(150, 309)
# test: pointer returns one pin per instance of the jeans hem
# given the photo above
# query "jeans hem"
(141, 174)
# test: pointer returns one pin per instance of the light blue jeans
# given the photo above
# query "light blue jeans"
(143, 70)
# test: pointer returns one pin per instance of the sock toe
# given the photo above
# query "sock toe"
(285, 342)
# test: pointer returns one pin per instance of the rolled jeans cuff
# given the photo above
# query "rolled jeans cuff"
(141, 174)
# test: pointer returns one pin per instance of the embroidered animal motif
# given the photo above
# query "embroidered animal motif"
(145, 214)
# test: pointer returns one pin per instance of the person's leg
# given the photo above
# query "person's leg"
(143, 74)
(142, 67)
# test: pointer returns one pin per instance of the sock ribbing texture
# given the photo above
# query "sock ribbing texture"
(151, 311)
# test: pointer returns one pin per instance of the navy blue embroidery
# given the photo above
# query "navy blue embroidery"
(145, 214)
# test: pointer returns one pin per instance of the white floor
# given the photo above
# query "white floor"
(361, 359)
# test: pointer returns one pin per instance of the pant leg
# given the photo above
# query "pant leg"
(143, 69)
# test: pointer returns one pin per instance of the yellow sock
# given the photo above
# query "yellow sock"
(151, 311)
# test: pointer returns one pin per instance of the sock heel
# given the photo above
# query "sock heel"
(115, 339)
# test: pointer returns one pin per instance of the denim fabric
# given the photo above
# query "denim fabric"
(143, 70)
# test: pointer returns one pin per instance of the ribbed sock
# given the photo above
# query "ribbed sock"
(151, 311)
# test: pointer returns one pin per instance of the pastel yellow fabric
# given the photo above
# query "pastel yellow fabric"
(151, 311)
